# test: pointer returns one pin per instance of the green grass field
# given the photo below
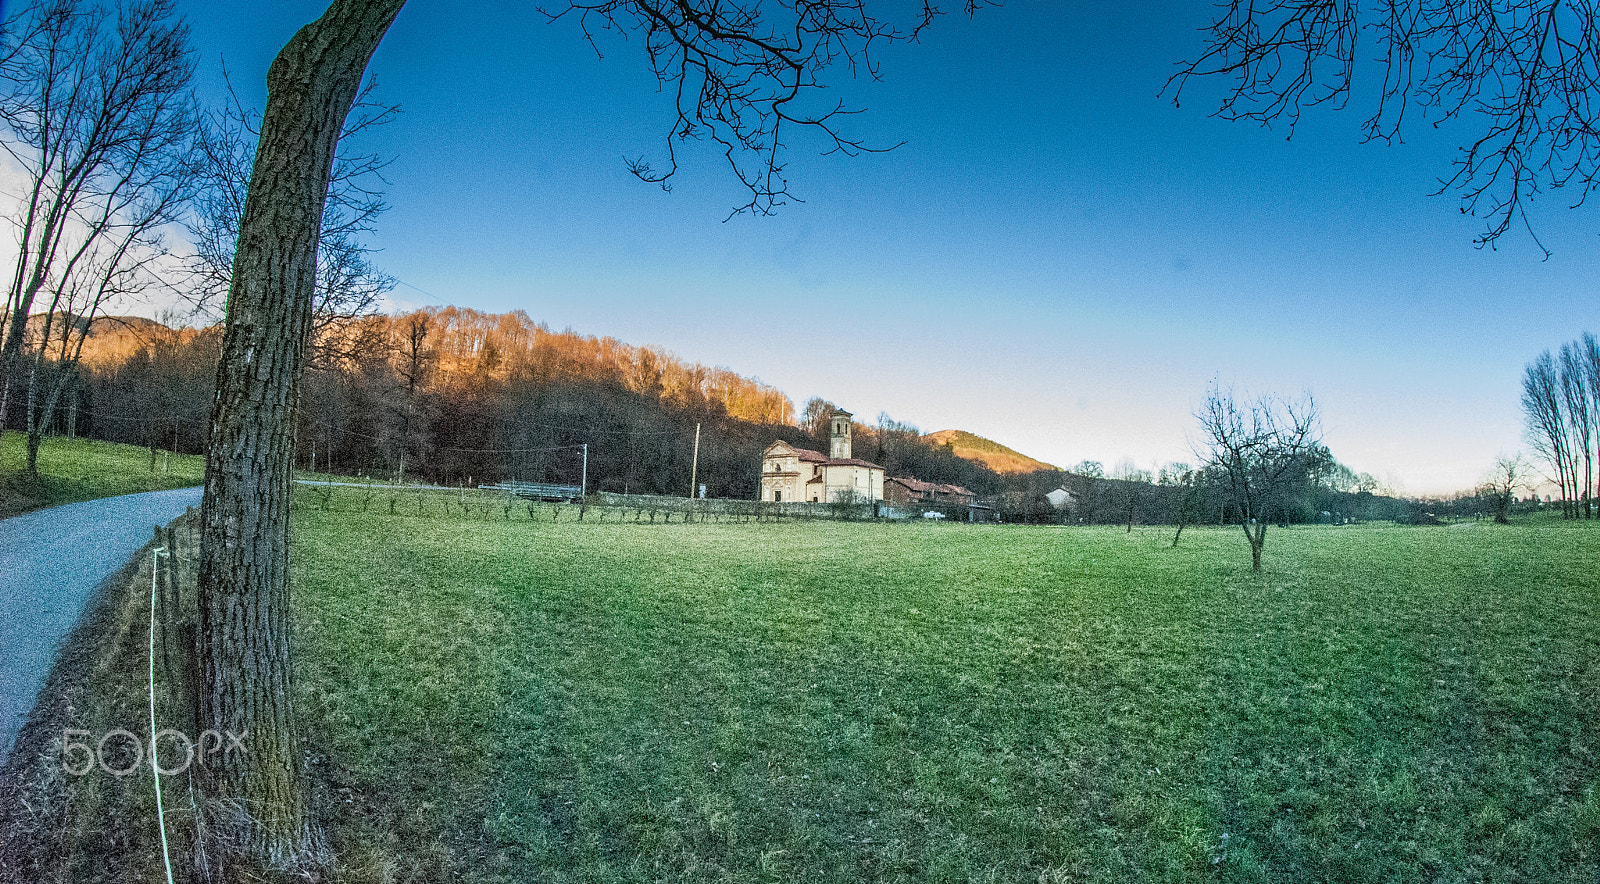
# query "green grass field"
(71, 470)
(536, 701)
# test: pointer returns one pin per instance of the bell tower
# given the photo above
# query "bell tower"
(839, 446)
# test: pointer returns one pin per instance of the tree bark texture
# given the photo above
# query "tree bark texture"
(257, 820)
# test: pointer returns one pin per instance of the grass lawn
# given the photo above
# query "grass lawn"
(71, 470)
(846, 702)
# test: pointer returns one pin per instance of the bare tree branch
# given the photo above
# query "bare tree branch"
(1262, 449)
(739, 73)
(349, 286)
(1528, 70)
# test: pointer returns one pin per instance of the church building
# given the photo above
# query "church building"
(790, 473)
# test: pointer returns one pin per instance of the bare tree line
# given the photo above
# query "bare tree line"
(1561, 408)
(96, 111)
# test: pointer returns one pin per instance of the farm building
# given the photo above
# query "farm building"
(900, 492)
(1061, 499)
(789, 473)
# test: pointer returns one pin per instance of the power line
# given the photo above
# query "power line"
(399, 281)
(344, 432)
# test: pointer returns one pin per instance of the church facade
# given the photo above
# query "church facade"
(789, 473)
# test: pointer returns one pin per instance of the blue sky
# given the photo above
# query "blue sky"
(1057, 258)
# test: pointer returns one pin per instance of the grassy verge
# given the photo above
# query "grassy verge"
(602, 701)
(71, 470)
(69, 815)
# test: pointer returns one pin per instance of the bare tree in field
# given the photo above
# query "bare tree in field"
(1561, 411)
(1526, 72)
(1263, 450)
(1587, 350)
(736, 70)
(1546, 422)
(1131, 482)
(95, 110)
(108, 270)
(1192, 486)
(1581, 419)
(1560, 407)
(1500, 486)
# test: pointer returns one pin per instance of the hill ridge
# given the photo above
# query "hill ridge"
(992, 454)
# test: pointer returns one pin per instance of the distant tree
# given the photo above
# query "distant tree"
(816, 419)
(1131, 484)
(890, 439)
(1561, 410)
(1528, 70)
(1172, 473)
(1261, 450)
(414, 361)
(159, 394)
(1192, 485)
(1501, 484)
(1090, 468)
(1579, 400)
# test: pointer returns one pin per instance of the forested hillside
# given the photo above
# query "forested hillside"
(454, 395)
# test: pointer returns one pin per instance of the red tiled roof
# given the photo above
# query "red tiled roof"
(806, 455)
(852, 461)
(922, 487)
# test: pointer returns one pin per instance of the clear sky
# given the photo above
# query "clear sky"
(1057, 258)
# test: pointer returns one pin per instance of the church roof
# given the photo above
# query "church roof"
(852, 461)
(806, 455)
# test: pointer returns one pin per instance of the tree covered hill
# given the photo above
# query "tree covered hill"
(454, 395)
(988, 452)
(451, 395)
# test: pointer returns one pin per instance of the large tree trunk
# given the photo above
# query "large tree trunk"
(258, 824)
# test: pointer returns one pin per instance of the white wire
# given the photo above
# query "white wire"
(155, 763)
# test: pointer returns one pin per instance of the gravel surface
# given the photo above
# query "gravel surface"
(50, 562)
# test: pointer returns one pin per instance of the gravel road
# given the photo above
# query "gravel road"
(50, 562)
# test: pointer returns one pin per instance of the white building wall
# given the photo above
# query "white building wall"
(792, 476)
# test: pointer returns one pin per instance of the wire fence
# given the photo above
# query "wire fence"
(505, 504)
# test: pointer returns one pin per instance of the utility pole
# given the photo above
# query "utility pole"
(694, 467)
(583, 488)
